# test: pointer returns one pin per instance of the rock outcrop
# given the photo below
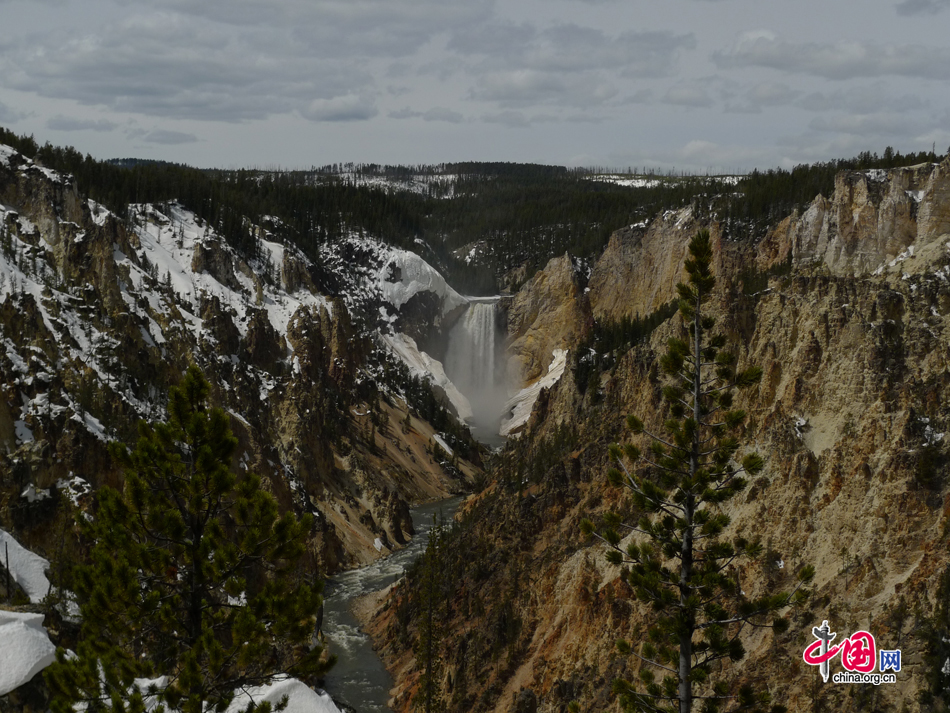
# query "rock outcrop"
(641, 266)
(870, 220)
(550, 312)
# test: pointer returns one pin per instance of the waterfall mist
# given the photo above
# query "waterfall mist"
(471, 363)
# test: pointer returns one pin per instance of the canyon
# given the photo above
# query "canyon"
(850, 328)
(347, 377)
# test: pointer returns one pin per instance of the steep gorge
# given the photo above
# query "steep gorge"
(844, 305)
(850, 415)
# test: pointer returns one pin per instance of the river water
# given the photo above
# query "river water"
(359, 679)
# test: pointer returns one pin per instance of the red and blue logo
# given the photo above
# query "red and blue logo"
(859, 657)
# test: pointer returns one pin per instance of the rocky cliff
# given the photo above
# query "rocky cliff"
(549, 312)
(851, 417)
(100, 314)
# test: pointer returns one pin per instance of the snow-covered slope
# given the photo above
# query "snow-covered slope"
(380, 282)
(422, 365)
(169, 269)
(404, 274)
(166, 271)
(169, 241)
(300, 697)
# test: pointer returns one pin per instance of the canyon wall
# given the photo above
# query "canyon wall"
(850, 416)
(101, 314)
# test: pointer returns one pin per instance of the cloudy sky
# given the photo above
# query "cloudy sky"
(696, 85)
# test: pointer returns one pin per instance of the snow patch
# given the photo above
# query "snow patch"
(27, 569)
(442, 444)
(6, 153)
(519, 407)
(404, 274)
(422, 365)
(300, 697)
(33, 494)
(25, 648)
(23, 432)
(73, 488)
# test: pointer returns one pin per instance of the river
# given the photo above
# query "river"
(359, 679)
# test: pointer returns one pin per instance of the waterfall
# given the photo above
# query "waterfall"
(470, 363)
(470, 360)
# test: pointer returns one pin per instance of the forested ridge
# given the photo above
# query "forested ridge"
(480, 221)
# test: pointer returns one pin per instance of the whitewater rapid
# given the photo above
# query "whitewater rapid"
(359, 679)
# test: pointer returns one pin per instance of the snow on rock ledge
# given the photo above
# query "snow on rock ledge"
(300, 697)
(422, 365)
(518, 408)
(404, 274)
(25, 649)
(27, 568)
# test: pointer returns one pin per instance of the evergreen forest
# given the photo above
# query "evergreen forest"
(476, 222)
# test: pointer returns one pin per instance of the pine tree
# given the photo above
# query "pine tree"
(935, 634)
(679, 562)
(431, 603)
(193, 575)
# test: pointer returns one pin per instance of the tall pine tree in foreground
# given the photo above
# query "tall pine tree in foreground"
(678, 560)
(193, 576)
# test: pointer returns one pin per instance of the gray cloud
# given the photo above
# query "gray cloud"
(329, 28)
(442, 114)
(435, 114)
(167, 138)
(641, 96)
(922, 7)
(565, 65)
(758, 97)
(771, 94)
(9, 115)
(66, 123)
(404, 113)
(572, 118)
(510, 118)
(882, 124)
(493, 38)
(820, 145)
(163, 65)
(682, 95)
(348, 107)
(232, 60)
(841, 60)
(568, 48)
(528, 87)
(861, 100)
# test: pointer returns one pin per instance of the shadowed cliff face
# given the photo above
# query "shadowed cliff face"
(850, 417)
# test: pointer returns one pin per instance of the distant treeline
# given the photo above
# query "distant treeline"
(309, 213)
(522, 214)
